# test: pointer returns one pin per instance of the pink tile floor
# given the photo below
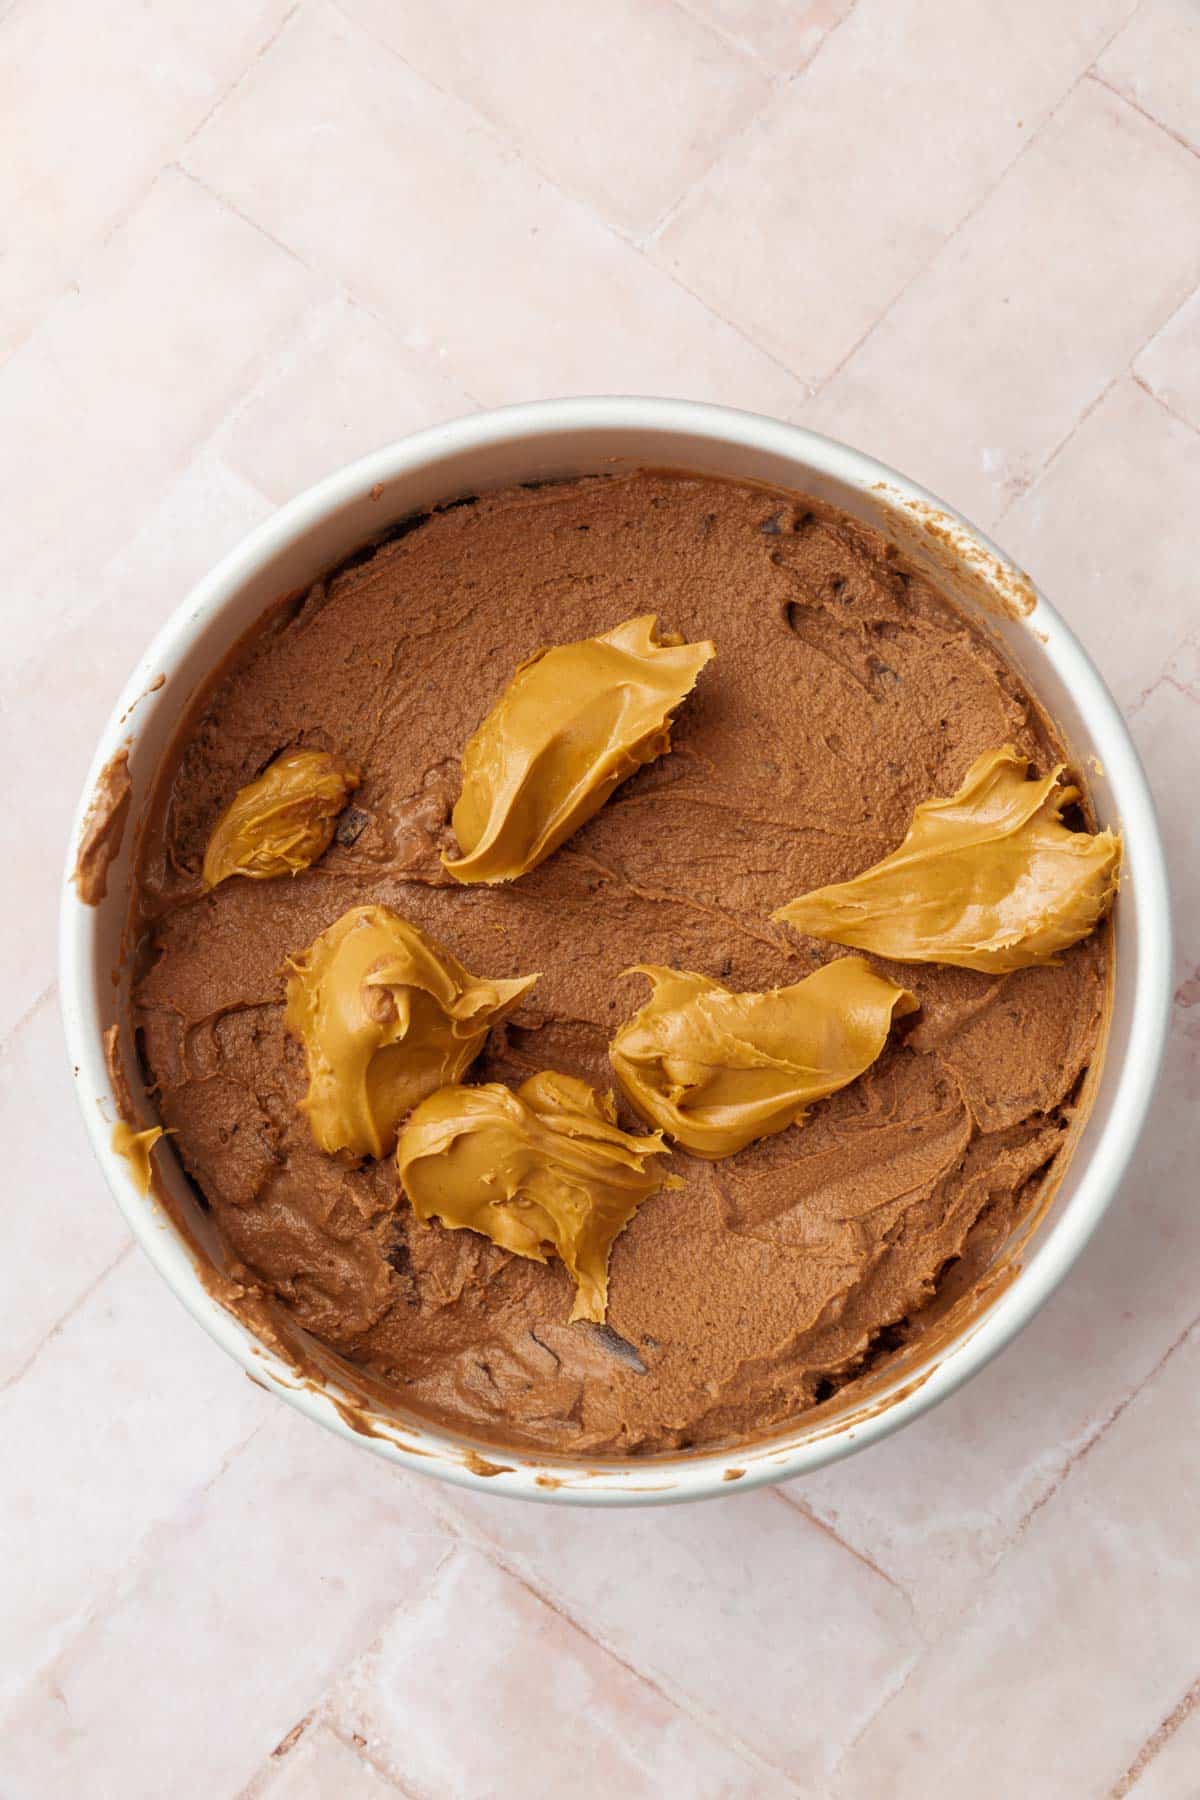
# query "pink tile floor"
(244, 241)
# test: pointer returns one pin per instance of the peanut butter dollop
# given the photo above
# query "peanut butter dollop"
(544, 1168)
(386, 1015)
(715, 1069)
(574, 722)
(989, 879)
(135, 1147)
(282, 822)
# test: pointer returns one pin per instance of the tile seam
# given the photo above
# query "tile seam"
(978, 1594)
(1157, 1741)
(364, 1756)
(616, 232)
(1034, 482)
(1176, 137)
(1095, 1437)
(64, 1319)
(642, 241)
(1151, 394)
(780, 86)
(502, 130)
(976, 206)
(318, 1713)
(321, 1713)
(746, 1753)
(509, 1563)
(119, 1578)
(252, 63)
(23, 1019)
(235, 211)
(172, 161)
(814, 1518)
(727, 37)
(97, 246)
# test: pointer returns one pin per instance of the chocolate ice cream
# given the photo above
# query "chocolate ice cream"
(845, 691)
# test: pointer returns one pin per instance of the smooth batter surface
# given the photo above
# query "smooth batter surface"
(844, 692)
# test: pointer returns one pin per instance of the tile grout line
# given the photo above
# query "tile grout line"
(1128, 373)
(364, 1756)
(97, 247)
(991, 1573)
(235, 211)
(1093, 74)
(781, 85)
(473, 1538)
(860, 1556)
(319, 1714)
(466, 1538)
(1034, 482)
(585, 207)
(334, 290)
(209, 442)
(1194, 295)
(1116, 31)
(714, 312)
(256, 57)
(19, 1023)
(976, 206)
(643, 240)
(414, 357)
(1141, 382)
(190, 449)
(64, 1319)
(894, 1692)
(726, 37)
(1058, 1481)
(746, 1752)
(101, 1605)
(502, 130)
(262, 362)
(1101, 1431)
(1158, 1740)
(496, 127)
(337, 293)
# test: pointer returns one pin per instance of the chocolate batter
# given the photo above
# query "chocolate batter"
(845, 691)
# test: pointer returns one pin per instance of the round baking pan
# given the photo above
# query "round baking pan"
(571, 437)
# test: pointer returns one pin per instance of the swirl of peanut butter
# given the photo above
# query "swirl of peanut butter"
(386, 1016)
(135, 1146)
(539, 1169)
(715, 1069)
(282, 822)
(989, 879)
(574, 722)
